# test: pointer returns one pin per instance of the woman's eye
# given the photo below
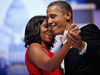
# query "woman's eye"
(46, 26)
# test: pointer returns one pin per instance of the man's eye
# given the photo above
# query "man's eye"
(52, 16)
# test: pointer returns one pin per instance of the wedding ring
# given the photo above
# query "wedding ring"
(72, 42)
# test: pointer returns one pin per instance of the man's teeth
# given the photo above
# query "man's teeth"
(52, 26)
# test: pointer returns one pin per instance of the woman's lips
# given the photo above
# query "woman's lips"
(50, 35)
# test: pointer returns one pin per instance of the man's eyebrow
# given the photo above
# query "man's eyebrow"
(52, 15)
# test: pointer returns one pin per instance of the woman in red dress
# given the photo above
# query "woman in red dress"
(38, 40)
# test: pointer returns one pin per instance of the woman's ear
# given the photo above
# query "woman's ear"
(68, 15)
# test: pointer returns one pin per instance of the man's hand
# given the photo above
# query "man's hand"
(74, 38)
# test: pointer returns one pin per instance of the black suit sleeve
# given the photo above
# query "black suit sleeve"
(91, 34)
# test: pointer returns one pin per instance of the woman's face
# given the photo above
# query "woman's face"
(45, 33)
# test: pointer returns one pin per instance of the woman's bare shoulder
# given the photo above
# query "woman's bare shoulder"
(35, 46)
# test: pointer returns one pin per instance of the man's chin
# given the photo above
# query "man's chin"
(55, 33)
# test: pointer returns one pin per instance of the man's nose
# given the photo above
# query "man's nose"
(49, 21)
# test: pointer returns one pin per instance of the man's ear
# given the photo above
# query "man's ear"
(68, 15)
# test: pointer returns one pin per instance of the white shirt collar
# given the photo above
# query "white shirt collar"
(63, 38)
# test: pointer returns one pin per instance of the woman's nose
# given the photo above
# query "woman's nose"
(49, 27)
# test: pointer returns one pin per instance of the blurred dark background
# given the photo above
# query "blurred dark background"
(97, 2)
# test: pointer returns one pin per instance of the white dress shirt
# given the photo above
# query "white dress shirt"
(63, 39)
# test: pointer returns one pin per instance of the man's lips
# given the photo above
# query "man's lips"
(52, 26)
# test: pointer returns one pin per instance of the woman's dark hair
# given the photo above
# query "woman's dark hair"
(63, 6)
(32, 31)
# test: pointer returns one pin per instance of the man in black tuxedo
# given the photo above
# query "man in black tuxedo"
(89, 62)
(83, 57)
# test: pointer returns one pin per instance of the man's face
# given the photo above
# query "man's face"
(56, 19)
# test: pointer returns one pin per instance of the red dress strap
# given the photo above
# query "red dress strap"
(45, 48)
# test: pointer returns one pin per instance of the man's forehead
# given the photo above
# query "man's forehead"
(54, 8)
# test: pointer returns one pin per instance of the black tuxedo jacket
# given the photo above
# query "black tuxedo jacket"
(89, 63)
